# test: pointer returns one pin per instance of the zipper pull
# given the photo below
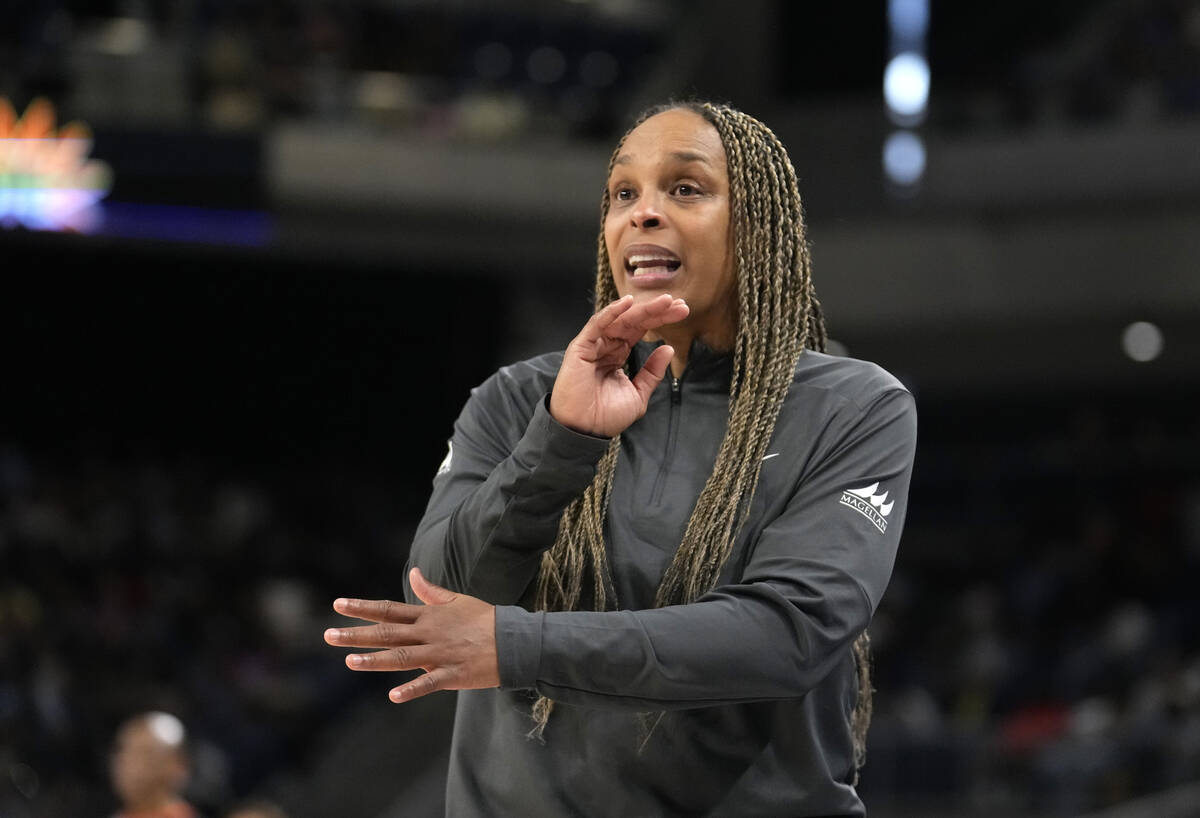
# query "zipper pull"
(676, 393)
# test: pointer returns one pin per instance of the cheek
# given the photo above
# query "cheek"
(611, 243)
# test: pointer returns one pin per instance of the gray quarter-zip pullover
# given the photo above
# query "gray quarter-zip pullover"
(737, 704)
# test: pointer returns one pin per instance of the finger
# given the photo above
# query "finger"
(431, 682)
(651, 374)
(407, 657)
(426, 591)
(377, 610)
(652, 314)
(596, 325)
(609, 353)
(611, 347)
(372, 636)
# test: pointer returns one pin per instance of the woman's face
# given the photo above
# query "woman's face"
(667, 229)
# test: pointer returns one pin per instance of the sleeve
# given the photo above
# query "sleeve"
(499, 495)
(808, 588)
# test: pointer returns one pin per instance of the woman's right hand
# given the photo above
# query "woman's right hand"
(592, 394)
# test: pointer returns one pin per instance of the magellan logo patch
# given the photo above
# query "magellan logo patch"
(869, 504)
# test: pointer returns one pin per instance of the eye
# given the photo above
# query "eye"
(685, 189)
(622, 194)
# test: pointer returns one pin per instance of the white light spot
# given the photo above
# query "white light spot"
(906, 85)
(1142, 341)
(904, 158)
(546, 65)
(166, 728)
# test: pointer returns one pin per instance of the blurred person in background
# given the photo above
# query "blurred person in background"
(150, 767)
(653, 591)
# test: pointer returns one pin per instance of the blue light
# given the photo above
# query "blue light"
(49, 208)
(909, 19)
(904, 158)
(198, 225)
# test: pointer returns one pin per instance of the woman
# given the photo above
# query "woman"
(654, 595)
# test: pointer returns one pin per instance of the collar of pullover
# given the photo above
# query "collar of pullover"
(705, 367)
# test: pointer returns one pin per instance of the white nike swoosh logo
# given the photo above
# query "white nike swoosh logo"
(768, 457)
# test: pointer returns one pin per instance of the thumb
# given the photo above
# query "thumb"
(426, 591)
(652, 372)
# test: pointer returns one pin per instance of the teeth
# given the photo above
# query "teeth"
(651, 261)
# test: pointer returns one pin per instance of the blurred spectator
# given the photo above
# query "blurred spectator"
(150, 767)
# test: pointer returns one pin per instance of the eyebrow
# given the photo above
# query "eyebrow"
(681, 156)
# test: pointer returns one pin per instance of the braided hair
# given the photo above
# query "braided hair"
(778, 316)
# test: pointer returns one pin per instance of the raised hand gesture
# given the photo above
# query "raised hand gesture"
(592, 394)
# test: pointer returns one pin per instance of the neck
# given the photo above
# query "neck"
(681, 340)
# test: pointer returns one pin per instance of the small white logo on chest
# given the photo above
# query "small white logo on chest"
(768, 457)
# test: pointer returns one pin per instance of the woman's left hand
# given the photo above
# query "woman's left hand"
(452, 637)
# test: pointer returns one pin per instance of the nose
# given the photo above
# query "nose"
(647, 214)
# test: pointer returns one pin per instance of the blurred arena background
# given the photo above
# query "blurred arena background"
(307, 228)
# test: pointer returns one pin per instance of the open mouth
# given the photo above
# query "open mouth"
(651, 263)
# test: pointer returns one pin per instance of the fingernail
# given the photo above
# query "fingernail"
(356, 661)
(396, 696)
(332, 634)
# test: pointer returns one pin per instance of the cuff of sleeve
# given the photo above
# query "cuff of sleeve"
(518, 645)
(565, 437)
(557, 460)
